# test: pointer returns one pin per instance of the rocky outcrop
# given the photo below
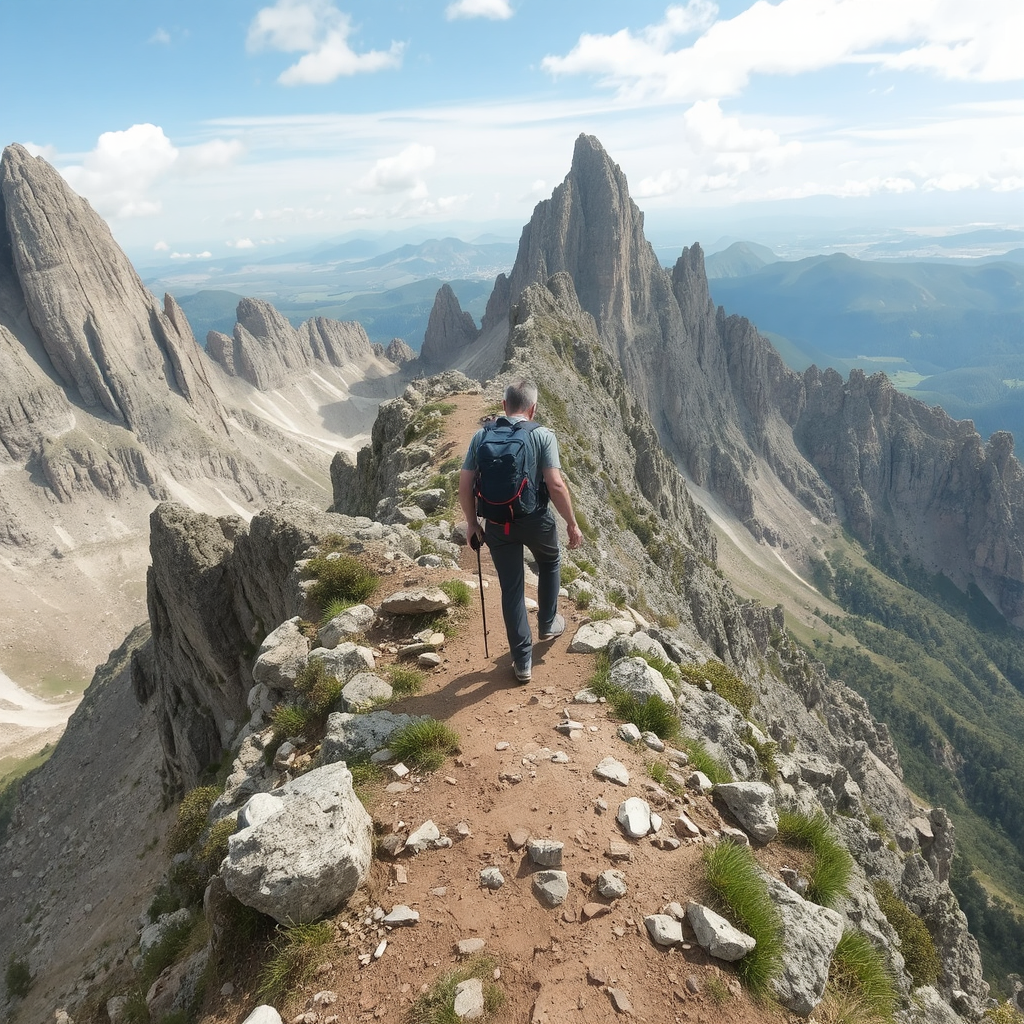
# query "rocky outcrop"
(449, 330)
(105, 337)
(399, 352)
(267, 351)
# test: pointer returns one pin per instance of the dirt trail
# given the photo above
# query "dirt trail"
(552, 962)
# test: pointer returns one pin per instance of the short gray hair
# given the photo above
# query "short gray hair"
(520, 396)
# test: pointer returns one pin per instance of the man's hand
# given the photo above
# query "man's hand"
(575, 535)
(476, 538)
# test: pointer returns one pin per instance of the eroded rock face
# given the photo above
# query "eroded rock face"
(449, 329)
(267, 351)
(399, 352)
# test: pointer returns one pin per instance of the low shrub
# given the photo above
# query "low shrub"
(17, 978)
(568, 573)
(191, 820)
(651, 714)
(424, 744)
(742, 894)
(295, 954)
(437, 1006)
(319, 689)
(583, 599)
(289, 720)
(215, 849)
(726, 684)
(833, 865)
(916, 942)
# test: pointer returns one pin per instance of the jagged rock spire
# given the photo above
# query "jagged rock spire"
(449, 329)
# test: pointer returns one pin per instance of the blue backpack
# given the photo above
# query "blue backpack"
(506, 470)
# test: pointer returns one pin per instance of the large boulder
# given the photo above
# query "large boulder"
(352, 736)
(307, 858)
(282, 656)
(753, 804)
(811, 936)
(345, 661)
(636, 676)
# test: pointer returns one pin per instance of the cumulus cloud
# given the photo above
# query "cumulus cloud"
(497, 10)
(207, 255)
(735, 149)
(161, 36)
(48, 153)
(161, 246)
(242, 243)
(663, 184)
(401, 173)
(318, 30)
(796, 36)
(117, 176)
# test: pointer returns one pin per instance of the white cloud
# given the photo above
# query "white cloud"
(242, 243)
(192, 255)
(48, 153)
(953, 182)
(161, 36)
(791, 37)
(161, 246)
(320, 31)
(663, 184)
(497, 10)
(401, 173)
(117, 176)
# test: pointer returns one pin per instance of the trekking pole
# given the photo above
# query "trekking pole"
(474, 543)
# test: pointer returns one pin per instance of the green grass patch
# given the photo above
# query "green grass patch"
(742, 894)
(860, 988)
(450, 465)
(833, 865)
(766, 751)
(289, 720)
(916, 942)
(618, 597)
(458, 591)
(437, 1006)
(405, 680)
(334, 608)
(567, 573)
(318, 688)
(702, 761)
(583, 599)
(168, 950)
(650, 714)
(726, 684)
(191, 820)
(17, 978)
(424, 744)
(215, 849)
(295, 954)
(340, 578)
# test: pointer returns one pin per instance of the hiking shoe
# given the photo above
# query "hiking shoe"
(523, 672)
(557, 628)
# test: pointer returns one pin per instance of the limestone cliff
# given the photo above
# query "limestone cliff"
(449, 330)
(267, 351)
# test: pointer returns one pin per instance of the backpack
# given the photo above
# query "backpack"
(506, 470)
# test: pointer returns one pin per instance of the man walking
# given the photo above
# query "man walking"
(522, 518)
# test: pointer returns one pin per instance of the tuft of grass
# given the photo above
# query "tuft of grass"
(702, 761)
(860, 988)
(424, 744)
(289, 720)
(765, 751)
(618, 597)
(334, 608)
(405, 680)
(319, 689)
(568, 573)
(742, 893)
(172, 944)
(651, 714)
(458, 592)
(191, 821)
(586, 566)
(344, 578)
(833, 865)
(584, 598)
(916, 942)
(726, 684)
(215, 849)
(296, 953)
(437, 1006)
(17, 978)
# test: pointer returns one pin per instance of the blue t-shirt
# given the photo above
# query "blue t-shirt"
(542, 438)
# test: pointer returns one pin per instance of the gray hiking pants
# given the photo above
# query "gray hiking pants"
(539, 534)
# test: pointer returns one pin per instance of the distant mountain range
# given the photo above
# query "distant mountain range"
(948, 332)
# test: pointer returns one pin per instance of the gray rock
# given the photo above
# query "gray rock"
(401, 916)
(415, 602)
(350, 736)
(282, 656)
(469, 999)
(344, 661)
(664, 930)
(352, 622)
(753, 804)
(177, 986)
(545, 853)
(258, 809)
(653, 742)
(636, 644)
(634, 817)
(717, 935)
(628, 733)
(153, 933)
(310, 857)
(551, 887)
(426, 835)
(430, 500)
(428, 659)
(611, 884)
(467, 947)
(811, 936)
(592, 637)
(491, 878)
(364, 690)
(613, 771)
(636, 676)
(449, 329)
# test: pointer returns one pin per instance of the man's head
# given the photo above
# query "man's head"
(520, 398)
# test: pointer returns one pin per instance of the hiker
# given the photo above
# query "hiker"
(511, 471)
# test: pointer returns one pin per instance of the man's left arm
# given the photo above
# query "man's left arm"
(467, 502)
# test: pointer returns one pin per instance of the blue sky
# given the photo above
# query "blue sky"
(238, 125)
